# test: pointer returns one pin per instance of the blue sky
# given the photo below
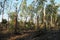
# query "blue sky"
(28, 1)
(58, 1)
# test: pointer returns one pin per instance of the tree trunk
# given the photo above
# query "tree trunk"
(38, 23)
(16, 28)
(16, 24)
(8, 22)
(2, 16)
(51, 20)
(44, 18)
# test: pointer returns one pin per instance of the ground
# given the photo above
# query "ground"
(32, 35)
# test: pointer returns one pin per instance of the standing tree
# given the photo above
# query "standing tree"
(31, 13)
(15, 19)
(51, 11)
(3, 7)
(39, 10)
(24, 9)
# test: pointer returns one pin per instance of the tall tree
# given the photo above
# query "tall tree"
(3, 7)
(39, 7)
(51, 11)
(15, 19)
(31, 13)
(24, 9)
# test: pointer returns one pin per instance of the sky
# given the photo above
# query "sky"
(28, 1)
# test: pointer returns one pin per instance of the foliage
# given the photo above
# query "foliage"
(33, 16)
(4, 21)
